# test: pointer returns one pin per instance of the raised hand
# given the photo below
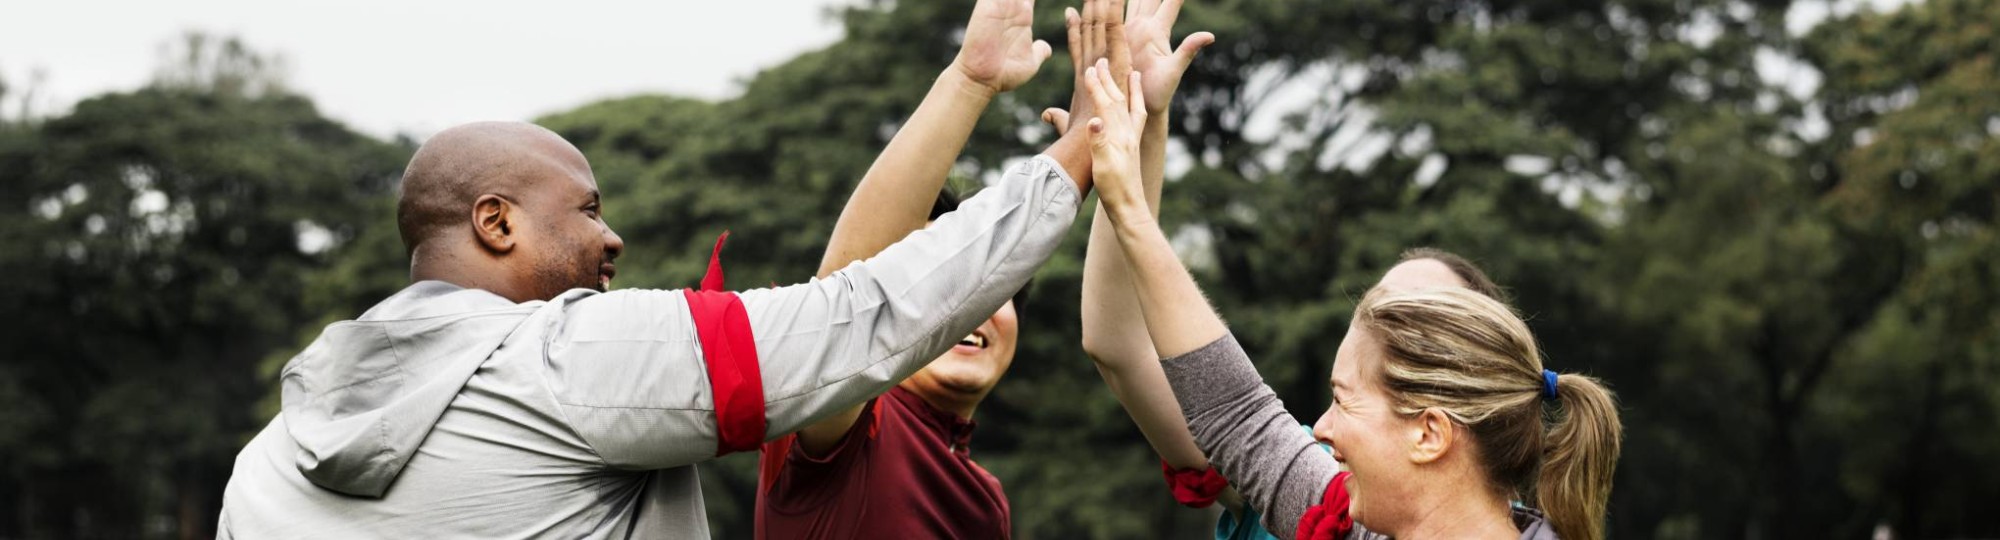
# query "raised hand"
(1056, 118)
(1108, 25)
(1114, 141)
(1000, 50)
(1097, 33)
(1149, 24)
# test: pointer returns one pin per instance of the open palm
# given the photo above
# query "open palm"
(1149, 25)
(1000, 49)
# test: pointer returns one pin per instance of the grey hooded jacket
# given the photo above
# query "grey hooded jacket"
(447, 412)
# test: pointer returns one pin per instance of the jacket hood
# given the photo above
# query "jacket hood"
(363, 396)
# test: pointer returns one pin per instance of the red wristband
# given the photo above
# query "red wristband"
(1194, 488)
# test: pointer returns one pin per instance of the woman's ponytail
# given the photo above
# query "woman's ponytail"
(1579, 457)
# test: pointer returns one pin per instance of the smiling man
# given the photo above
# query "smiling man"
(901, 465)
(508, 393)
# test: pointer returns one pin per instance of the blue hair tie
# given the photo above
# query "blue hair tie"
(1548, 385)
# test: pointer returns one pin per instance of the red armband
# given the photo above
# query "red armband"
(730, 351)
(1192, 488)
(1329, 520)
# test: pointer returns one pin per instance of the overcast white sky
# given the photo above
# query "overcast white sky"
(418, 66)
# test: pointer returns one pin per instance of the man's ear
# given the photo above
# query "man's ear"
(492, 223)
(1432, 434)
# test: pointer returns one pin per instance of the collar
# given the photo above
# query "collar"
(956, 431)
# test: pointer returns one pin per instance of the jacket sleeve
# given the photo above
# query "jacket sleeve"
(1240, 423)
(628, 370)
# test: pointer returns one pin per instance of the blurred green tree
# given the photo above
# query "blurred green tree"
(1792, 290)
(155, 248)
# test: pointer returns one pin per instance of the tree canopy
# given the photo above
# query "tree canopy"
(1791, 287)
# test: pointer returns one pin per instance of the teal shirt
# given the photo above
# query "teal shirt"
(1250, 525)
(1247, 528)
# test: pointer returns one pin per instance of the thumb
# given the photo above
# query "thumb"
(1042, 51)
(1096, 129)
(1057, 118)
(1193, 46)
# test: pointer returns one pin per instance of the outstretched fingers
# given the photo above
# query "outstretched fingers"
(1095, 87)
(1168, 11)
(1056, 118)
(1138, 104)
(1104, 90)
(1093, 27)
(1074, 22)
(1192, 46)
(1120, 48)
(1135, 9)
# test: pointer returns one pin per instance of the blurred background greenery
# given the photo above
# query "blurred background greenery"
(1792, 287)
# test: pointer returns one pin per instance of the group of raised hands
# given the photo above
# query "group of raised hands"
(1126, 71)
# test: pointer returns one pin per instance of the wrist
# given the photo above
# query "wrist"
(1134, 232)
(1072, 152)
(1158, 110)
(962, 83)
(1153, 141)
(1128, 212)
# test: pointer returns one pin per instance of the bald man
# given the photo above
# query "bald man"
(507, 394)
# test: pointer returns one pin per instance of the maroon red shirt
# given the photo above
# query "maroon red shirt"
(902, 471)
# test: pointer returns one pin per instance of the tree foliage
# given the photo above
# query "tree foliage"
(1792, 290)
(155, 246)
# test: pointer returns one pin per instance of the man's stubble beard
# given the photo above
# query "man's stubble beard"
(557, 275)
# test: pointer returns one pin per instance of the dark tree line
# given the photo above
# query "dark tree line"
(1792, 288)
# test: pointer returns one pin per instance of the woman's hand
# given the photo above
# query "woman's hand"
(1097, 33)
(1114, 142)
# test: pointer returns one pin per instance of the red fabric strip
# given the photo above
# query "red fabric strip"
(730, 350)
(772, 462)
(1330, 519)
(1194, 488)
(712, 281)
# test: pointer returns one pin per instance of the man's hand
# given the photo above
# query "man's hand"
(1114, 142)
(1098, 33)
(1000, 51)
(1149, 24)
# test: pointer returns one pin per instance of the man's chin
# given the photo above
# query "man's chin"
(962, 375)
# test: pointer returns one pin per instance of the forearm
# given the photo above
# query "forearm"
(895, 196)
(1178, 317)
(849, 337)
(1244, 429)
(1110, 307)
(1072, 153)
(1149, 400)
(1114, 334)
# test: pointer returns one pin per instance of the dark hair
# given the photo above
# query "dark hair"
(1475, 278)
(946, 203)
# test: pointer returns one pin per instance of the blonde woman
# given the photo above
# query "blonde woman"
(1442, 411)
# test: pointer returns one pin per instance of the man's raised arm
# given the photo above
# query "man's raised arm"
(894, 198)
(643, 391)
